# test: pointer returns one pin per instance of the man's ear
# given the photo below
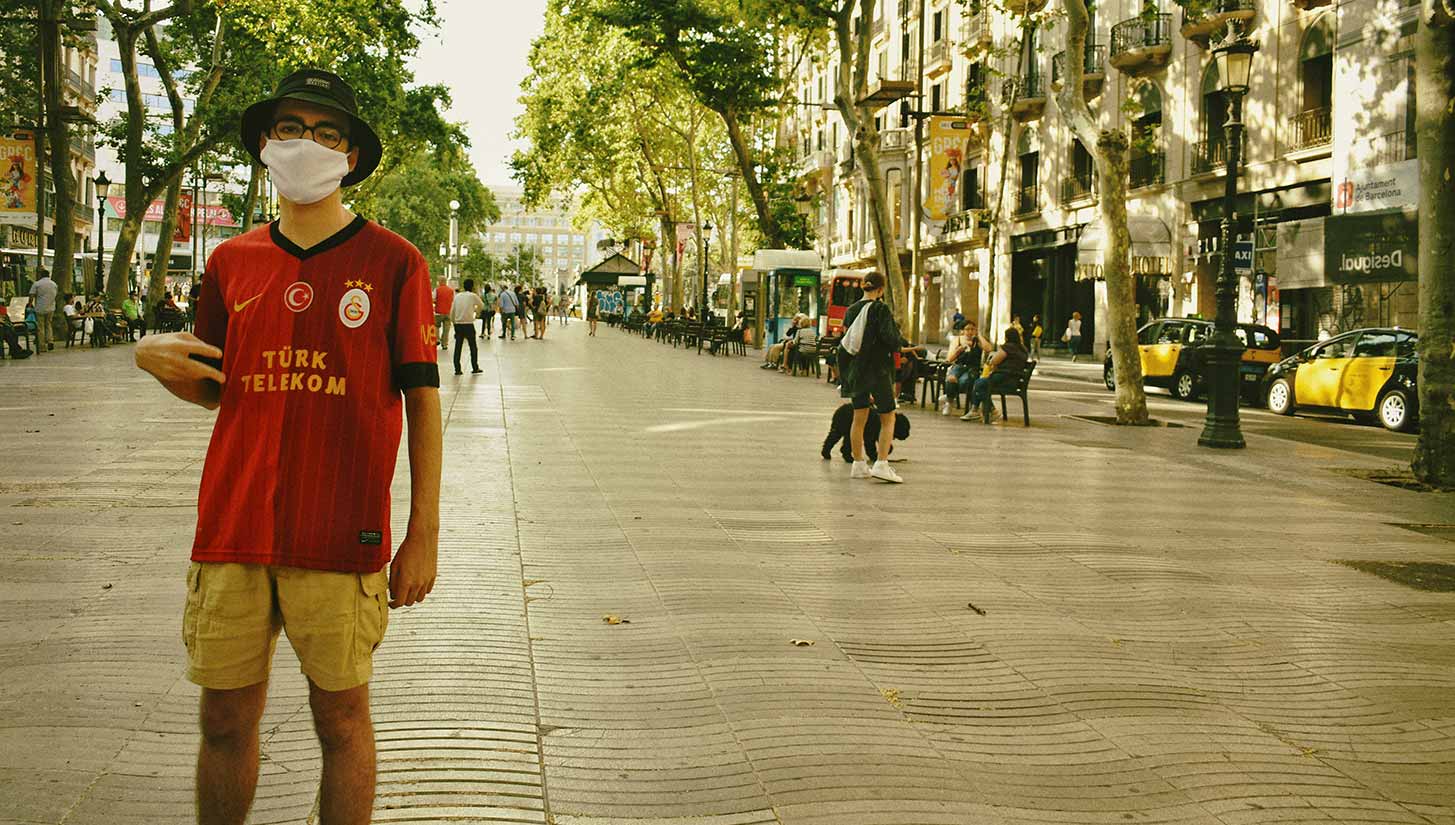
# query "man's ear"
(262, 141)
(353, 158)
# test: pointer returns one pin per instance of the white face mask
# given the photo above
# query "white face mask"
(303, 170)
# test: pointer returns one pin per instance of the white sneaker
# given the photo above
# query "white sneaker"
(884, 472)
(859, 470)
(971, 415)
(945, 405)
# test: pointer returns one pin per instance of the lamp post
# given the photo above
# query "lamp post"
(453, 260)
(706, 242)
(103, 186)
(1234, 57)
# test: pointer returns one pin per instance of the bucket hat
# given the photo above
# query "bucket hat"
(320, 88)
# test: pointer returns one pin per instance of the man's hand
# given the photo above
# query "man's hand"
(412, 573)
(167, 357)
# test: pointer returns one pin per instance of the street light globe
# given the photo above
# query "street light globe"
(454, 206)
(103, 185)
(444, 250)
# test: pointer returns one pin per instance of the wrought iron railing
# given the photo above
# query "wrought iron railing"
(1031, 86)
(1193, 15)
(1026, 200)
(968, 220)
(1142, 32)
(1148, 169)
(937, 52)
(1392, 148)
(1077, 185)
(1208, 155)
(1094, 64)
(1310, 129)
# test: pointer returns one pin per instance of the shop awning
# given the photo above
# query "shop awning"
(1151, 247)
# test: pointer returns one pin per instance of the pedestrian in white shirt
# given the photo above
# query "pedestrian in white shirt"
(463, 312)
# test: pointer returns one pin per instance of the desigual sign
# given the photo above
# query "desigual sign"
(1372, 247)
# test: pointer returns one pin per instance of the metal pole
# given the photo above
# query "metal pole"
(40, 163)
(1221, 428)
(193, 275)
(914, 260)
(101, 241)
(200, 225)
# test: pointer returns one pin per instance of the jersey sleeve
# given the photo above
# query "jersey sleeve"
(415, 336)
(211, 316)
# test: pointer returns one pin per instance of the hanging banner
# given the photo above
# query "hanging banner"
(182, 233)
(947, 162)
(17, 188)
(685, 231)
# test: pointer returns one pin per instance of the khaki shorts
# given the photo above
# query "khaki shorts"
(334, 621)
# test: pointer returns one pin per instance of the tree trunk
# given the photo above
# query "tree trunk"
(853, 82)
(997, 207)
(1108, 150)
(250, 200)
(58, 134)
(1434, 461)
(162, 257)
(748, 168)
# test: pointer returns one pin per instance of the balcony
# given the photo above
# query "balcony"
(876, 27)
(1211, 155)
(1027, 97)
(964, 225)
(975, 31)
(1025, 201)
(1024, 7)
(1210, 17)
(977, 102)
(80, 86)
(1148, 169)
(1391, 148)
(937, 57)
(896, 140)
(85, 146)
(1142, 45)
(1078, 186)
(1093, 69)
(908, 9)
(815, 163)
(1310, 130)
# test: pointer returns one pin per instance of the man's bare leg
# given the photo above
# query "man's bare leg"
(227, 761)
(856, 433)
(346, 734)
(886, 434)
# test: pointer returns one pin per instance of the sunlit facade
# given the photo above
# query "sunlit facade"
(1328, 181)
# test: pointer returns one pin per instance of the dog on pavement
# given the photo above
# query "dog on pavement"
(839, 431)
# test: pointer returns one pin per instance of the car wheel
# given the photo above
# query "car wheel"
(1394, 411)
(1280, 397)
(1183, 386)
(1108, 377)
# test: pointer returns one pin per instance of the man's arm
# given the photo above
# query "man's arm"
(412, 574)
(169, 359)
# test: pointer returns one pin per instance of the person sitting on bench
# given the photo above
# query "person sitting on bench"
(1000, 376)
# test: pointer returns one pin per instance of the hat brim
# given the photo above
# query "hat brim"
(256, 120)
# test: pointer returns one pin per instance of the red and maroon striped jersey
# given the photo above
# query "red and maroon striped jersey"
(317, 345)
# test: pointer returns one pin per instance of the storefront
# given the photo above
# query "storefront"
(1044, 282)
(1151, 261)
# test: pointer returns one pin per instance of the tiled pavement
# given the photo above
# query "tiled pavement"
(1067, 624)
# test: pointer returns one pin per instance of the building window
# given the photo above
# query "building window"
(1029, 196)
(937, 96)
(937, 31)
(970, 197)
(1313, 125)
(1147, 158)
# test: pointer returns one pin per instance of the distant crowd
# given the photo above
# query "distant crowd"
(529, 309)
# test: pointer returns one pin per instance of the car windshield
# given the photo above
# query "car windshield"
(1375, 345)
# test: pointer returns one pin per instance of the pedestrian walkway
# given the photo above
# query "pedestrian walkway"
(658, 606)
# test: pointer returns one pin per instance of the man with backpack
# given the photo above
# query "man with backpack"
(866, 368)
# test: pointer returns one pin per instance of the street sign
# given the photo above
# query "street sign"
(1243, 256)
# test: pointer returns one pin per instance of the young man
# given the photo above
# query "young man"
(313, 334)
(444, 300)
(467, 305)
(43, 299)
(867, 377)
(509, 305)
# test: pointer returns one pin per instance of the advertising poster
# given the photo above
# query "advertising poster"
(947, 137)
(1364, 248)
(17, 189)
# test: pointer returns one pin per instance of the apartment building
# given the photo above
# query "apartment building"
(564, 251)
(1326, 236)
(18, 225)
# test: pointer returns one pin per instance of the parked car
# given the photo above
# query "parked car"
(1174, 355)
(1368, 373)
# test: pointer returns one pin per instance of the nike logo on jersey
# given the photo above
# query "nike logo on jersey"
(242, 306)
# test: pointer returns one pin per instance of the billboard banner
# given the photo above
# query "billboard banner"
(947, 137)
(182, 232)
(1370, 247)
(17, 189)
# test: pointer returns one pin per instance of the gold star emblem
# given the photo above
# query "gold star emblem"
(367, 287)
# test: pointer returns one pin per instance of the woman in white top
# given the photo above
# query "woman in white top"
(1072, 336)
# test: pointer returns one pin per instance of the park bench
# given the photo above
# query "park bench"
(1018, 389)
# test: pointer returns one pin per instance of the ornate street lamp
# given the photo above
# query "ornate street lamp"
(1234, 59)
(453, 261)
(103, 186)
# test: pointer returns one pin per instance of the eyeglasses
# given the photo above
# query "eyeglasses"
(324, 134)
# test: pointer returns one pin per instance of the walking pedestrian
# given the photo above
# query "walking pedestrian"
(467, 305)
(591, 309)
(488, 316)
(522, 309)
(444, 300)
(542, 310)
(314, 340)
(1072, 335)
(867, 377)
(1037, 331)
(509, 304)
(43, 299)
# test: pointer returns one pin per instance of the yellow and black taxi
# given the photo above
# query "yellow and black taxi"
(1368, 373)
(1174, 354)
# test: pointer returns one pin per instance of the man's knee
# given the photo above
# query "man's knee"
(340, 718)
(229, 718)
